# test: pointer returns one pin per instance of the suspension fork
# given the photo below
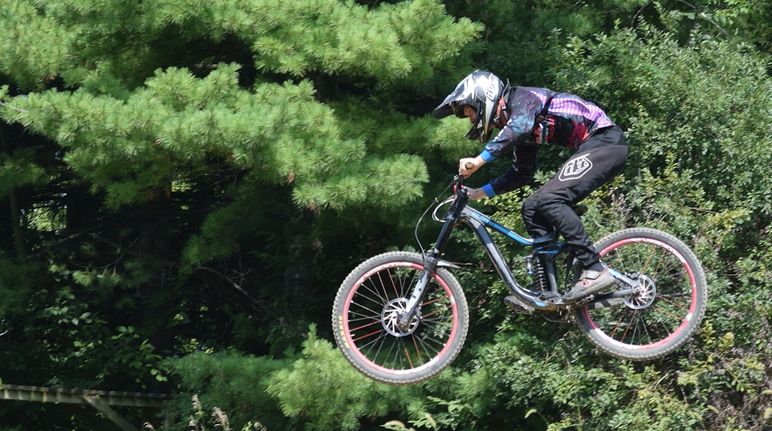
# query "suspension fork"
(432, 259)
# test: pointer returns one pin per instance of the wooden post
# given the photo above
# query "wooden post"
(109, 413)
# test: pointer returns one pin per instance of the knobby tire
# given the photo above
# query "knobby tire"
(673, 311)
(360, 320)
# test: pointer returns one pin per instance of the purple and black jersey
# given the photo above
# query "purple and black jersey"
(568, 121)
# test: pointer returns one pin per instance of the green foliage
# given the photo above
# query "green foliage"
(229, 381)
(191, 180)
(702, 107)
(618, 396)
(18, 170)
(321, 374)
(35, 47)
(15, 286)
(298, 37)
(179, 123)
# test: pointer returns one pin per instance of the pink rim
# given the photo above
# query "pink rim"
(347, 332)
(684, 322)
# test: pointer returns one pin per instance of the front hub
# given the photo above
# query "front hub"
(391, 314)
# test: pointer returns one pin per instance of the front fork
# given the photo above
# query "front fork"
(431, 260)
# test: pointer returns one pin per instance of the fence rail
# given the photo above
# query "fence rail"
(100, 400)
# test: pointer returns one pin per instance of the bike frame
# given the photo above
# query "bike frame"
(545, 248)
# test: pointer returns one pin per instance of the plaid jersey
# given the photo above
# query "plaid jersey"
(568, 121)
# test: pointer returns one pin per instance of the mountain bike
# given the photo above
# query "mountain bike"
(402, 317)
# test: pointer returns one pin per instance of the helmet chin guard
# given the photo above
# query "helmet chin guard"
(476, 131)
(480, 90)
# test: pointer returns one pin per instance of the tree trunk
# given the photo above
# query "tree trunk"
(18, 234)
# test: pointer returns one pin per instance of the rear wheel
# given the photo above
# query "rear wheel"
(368, 304)
(670, 298)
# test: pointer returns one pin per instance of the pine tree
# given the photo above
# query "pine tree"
(178, 166)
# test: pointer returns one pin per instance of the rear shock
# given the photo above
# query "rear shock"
(535, 269)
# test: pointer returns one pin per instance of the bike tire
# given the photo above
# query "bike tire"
(662, 263)
(357, 302)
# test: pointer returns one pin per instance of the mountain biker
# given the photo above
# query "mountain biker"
(528, 117)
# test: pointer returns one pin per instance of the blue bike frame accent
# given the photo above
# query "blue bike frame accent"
(487, 221)
(458, 211)
(547, 245)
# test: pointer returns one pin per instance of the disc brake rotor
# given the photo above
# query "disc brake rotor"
(645, 294)
(390, 316)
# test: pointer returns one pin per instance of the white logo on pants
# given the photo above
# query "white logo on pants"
(575, 169)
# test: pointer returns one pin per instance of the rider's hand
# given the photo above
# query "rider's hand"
(475, 194)
(469, 165)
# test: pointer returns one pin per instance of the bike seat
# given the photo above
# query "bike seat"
(545, 239)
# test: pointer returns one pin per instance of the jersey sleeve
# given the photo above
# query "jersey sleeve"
(519, 174)
(523, 110)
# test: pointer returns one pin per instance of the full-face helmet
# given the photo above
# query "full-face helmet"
(481, 90)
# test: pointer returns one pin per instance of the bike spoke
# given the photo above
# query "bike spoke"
(396, 293)
(415, 344)
(667, 299)
(635, 328)
(675, 295)
(365, 326)
(425, 303)
(368, 318)
(643, 267)
(437, 342)
(380, 345)
(646, 329)
(663, 302)
(370, 344)
(627, 328)
(375, 292)
(431, 314)
(674, 314)
(372, 307)
(427, 347)
(378, 331)
(407, 355)
(408, 285)
(375, 313)
(616, 327)
(383, 286)
(397, 354)
(363, 316)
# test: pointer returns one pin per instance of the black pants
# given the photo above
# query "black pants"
(596, 161)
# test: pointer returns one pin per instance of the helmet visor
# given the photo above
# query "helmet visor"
(450, 104)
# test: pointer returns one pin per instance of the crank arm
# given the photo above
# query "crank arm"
(609, 299)
(625, 280)
(607, 302)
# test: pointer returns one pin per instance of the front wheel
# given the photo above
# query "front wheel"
(669, 303)
(366, 309)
